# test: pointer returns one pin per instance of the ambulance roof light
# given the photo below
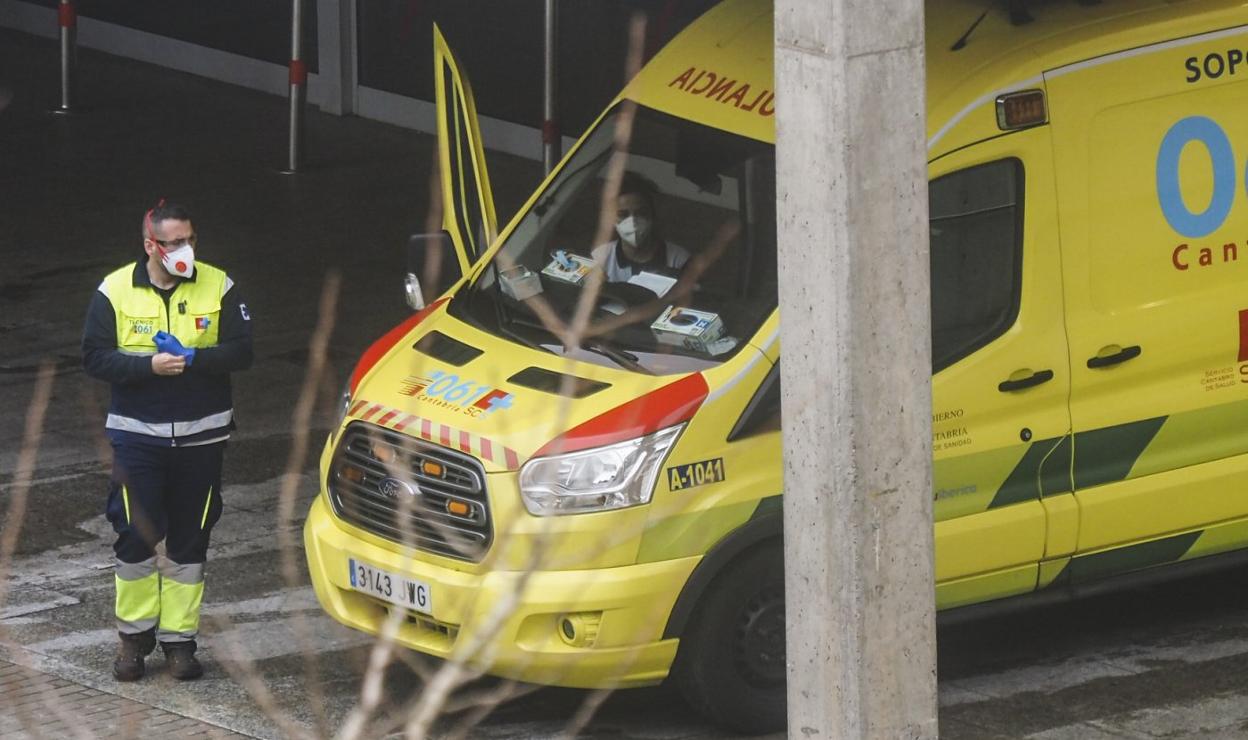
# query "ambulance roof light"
(1021, 109)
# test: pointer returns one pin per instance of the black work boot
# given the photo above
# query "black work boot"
(128, 665)
(181, 659)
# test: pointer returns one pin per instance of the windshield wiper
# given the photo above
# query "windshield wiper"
(620, 357)
(506, 319)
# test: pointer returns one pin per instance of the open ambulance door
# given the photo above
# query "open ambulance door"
(437, 261)
(467, 203)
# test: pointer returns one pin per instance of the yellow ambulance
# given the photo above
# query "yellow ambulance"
(566, 467)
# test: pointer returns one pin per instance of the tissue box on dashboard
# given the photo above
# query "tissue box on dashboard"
(520, 283)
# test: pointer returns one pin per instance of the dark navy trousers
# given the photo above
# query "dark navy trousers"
(164, 493)
(171, 494)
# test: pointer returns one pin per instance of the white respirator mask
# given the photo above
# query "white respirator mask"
(180, 262)
(634, 230)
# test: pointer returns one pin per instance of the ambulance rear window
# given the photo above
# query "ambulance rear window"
(976, 219)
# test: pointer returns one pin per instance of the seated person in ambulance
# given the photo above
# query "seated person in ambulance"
(665, 273)
(639, 254)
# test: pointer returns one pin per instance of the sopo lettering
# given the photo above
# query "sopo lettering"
(1213, 65)
(1207, 133)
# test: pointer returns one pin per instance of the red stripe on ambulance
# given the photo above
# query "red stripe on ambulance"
(663, 407)
(447, 436)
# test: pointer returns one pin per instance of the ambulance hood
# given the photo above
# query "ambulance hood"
(454, 385)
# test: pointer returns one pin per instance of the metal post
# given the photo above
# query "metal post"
(551, 139)
(67, 19)
(298, 88)
(852, 226)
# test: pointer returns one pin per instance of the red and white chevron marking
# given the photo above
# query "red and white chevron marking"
(437, 433)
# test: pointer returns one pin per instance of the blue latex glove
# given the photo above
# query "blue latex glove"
(166, 342)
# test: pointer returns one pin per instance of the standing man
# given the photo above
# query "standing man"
(165, 331)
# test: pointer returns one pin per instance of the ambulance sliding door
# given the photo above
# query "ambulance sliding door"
(1000, 422)
(1151, 175)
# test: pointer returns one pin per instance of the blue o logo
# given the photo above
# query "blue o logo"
(1169, 193)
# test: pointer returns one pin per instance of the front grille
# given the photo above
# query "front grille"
(411, 492)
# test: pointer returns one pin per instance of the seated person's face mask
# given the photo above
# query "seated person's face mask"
(633, 230)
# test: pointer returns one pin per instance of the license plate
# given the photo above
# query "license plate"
(408, 593)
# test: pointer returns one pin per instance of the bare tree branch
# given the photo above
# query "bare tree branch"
(301, 424)
(31, 438)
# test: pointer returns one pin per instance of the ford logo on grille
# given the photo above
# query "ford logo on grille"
(395, 488)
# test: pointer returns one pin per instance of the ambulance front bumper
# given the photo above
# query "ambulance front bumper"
(509, 623)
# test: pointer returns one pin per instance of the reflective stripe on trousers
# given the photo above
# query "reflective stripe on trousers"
(138, 596)
(181, 593)
(169, 599)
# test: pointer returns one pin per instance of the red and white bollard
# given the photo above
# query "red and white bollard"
(67, 19)
(551, 139)
(298, 88)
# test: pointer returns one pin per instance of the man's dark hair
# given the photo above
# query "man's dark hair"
(163, 211)
(632, 182)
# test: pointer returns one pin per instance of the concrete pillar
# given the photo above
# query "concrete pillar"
(856, 368)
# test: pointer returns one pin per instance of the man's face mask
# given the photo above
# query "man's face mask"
(633, 230)
(179, 261)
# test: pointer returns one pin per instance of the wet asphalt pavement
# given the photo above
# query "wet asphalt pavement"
(1168, 661)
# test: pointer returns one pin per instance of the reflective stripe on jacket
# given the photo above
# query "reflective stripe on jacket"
(177, 410)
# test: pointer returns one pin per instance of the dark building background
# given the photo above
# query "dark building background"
(499, 43)
(396, 47)
(259, 29)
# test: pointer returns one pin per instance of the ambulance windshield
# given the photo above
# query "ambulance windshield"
(654, 250)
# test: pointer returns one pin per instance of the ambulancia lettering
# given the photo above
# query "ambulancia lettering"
(724, 89)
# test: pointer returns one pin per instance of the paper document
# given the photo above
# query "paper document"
(654, 282)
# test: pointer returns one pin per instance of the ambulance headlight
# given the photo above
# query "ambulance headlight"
(612, 477)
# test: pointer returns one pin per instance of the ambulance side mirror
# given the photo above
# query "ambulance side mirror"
(432, 267)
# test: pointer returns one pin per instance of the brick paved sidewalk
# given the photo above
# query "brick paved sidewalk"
(38, 705)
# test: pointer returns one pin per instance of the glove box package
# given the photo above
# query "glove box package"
(687, 327)
(568, 268)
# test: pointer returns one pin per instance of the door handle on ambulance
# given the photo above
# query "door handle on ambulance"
(1018, 384)
(1107, 356)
